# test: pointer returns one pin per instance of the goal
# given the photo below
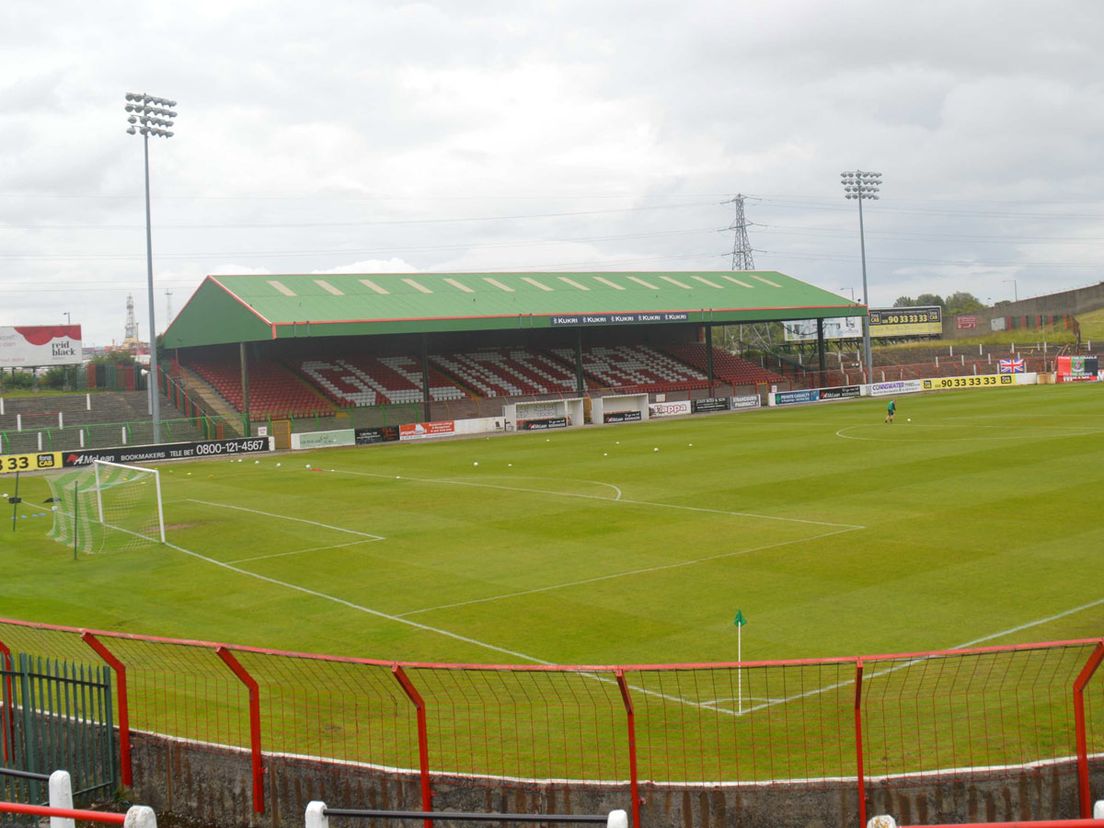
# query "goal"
(107, 507)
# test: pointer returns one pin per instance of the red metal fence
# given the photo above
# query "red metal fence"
(932, 714)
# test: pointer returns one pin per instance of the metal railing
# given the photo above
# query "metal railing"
(931, 714)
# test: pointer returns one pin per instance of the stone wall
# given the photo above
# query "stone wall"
(1081, 300)
(212, 785)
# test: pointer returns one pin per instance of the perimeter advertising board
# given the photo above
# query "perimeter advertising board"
(889, 389)
(34, 346)
(168, 451)
(542, 424)
(676, 408)
(886, 323)
(422, 431)
(710, 404)
(979, 381)
(11, 463)
(622, 417)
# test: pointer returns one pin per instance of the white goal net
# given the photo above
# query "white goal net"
(107, 507)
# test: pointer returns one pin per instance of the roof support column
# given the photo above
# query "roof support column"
(580, 384)
(820, 350)
(427, 411)
(243, 358)
(709, 355)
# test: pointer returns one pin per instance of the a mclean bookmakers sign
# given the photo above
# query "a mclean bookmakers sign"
(35, 346)
(577, 319)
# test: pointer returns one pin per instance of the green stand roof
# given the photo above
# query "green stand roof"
(227, 309)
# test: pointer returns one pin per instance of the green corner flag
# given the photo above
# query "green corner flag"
(739, 620)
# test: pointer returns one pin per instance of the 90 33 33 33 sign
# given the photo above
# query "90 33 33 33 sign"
(11, 463)
(980, 381)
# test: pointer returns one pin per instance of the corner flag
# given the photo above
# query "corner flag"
(739, 620)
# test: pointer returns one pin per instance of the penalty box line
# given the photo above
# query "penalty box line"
(704, 509)
(367, 535)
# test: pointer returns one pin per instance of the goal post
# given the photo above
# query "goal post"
(107, 507)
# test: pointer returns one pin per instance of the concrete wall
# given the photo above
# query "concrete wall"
(1081, 300)
(212, 785)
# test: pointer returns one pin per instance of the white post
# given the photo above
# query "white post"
(1, 405)
(937, 362)
(1012, 348)
(963, 358)
(990, 356)
(975, 369)
(950, 350)
(87, 402)
(739, 667)
(61, 420)
(40, 441)
(140, 816)
(123, 432)
(61, 796)
(160, 508)
(883, 376)
(99, 492)
(82, 438)
(617, 819)
(316, 815)
(18, 422)
(979, 349)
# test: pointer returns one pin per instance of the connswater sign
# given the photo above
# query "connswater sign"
(890, 389)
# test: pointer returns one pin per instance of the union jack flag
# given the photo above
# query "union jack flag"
(1011, 366)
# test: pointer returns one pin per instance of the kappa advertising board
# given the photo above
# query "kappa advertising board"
(168, 451)
(422, 431)
(11, 463)
(675, 408)
(33, 346)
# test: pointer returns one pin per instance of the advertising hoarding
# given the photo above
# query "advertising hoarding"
(35, 346)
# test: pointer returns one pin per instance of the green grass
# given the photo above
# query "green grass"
(1092, 324)
(836, 534)
(757, 515)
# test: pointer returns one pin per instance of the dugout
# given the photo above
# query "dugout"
(239, 321)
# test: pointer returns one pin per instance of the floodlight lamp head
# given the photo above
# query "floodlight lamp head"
(131, 131)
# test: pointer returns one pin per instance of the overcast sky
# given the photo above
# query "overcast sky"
(589, 135)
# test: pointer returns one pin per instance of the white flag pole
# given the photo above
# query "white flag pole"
(740, 669)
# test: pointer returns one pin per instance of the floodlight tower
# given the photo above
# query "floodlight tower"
(860, 186)
(150, 115)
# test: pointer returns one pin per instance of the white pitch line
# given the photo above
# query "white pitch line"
(472, 484)
(286, 517)
(910, 662)
(304, 551)
(358, 607)
(625, 574)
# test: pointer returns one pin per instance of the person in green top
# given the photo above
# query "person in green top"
(891, 409)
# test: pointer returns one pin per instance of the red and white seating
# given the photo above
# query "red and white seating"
(638, 367)
(727, 367)
(274, 391)
(362, 380)
(507, 372)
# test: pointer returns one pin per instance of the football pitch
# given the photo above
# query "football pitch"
(978, 522)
